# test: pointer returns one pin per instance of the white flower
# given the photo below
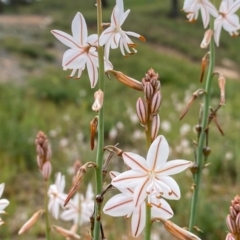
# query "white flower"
(227, 19)
(3, 202)
(150, 177)
(56, 195)
(191, 7)
(82, 50)
(122, 205)
(79, 209)
(114, 36)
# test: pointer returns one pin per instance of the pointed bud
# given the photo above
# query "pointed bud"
(31, 221)
(142, 111)
(204, 64)
(155, 127)
(237, 221)
(98, 103)
(231, 224)
(155, 103)
(230, 237)
(64, 232)
(46, 170)
(93, 129)
(221, 84)
(233, 212)
(178, 232)
(148, 91)
(195, 95)
(207, 38)
(130, 82)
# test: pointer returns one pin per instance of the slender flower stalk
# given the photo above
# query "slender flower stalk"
(48, 237)
(100, 145)
(202, 136)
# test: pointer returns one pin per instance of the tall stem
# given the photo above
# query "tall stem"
(204, 121)
(47, 225)
(148, 226)
(99, 158)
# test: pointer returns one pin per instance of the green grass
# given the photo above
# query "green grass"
(61, 107)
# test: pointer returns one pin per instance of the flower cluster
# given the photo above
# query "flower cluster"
(147, 179)
(225, 18)
(79, 209)
(83, 48)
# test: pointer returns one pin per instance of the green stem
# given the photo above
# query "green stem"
(148, 226)
(46, 210)
(99, 158)
(204, 121)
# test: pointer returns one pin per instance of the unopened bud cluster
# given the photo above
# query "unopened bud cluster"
(44, 155)
(233, 219)
(148, 107)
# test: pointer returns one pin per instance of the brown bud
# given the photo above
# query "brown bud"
(130, 82)
(98, 103)
(93, 130)
(206, 151)
(142, 111)
(204, 64)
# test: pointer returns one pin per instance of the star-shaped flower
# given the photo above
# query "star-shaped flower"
(192, 7)
(122, 205)
(82, 50)
(80, 209)
(114, 36)
(227, 19)
(150, 177)
(3, 202)
(56, 195)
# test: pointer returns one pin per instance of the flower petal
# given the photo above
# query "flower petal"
(3, 204)
(2, 185)
(92, 70)
(65, 38)
(170, 183)
(135, 161)
(158, 152)
(173, 167)
(217, 29)
(138, 220)
(74, 59)
(162, 210)
(140, 192)
(128, 179)
(79, 29)
(119, 205)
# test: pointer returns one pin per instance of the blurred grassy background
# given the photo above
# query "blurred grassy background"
(36, 95)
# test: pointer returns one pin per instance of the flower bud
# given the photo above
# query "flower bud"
(230, 237)
(206, 39)
(178, 232)
(142, 111)
(155, 103)
(237, 221)
(46, 170)
(231, 224)
(233, 212)
(31, 221)
(148, 90)
(130, 82)
(155, 127)
(65, 233)
(98, 103)
(221, 84)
